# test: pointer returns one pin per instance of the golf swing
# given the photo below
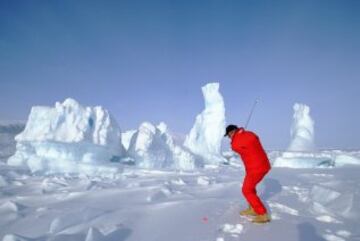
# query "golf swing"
(257, 165)
(247, 144)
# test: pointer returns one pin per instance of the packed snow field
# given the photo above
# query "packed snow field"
(71, 173)
(139, 204)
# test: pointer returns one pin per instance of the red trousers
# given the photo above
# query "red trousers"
(249, 190)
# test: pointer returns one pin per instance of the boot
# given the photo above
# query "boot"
(261, 218)
(248, 212)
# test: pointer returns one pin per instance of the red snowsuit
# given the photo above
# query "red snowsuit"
(256, 162)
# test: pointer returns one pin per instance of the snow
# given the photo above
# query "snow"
(204, 181)
(283, 208)
(67, 138)
(12, 237)
(167, 205)
(332, 237)
(207, 133)
(327, 219)
(232, 229)
(302, 129)
(153, 147)
(94, 234)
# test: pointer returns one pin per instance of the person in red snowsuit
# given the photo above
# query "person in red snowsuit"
(247, 144)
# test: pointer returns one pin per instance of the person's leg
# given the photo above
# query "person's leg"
(249, 191)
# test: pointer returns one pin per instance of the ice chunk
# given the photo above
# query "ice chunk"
(323, 195)
(302, 129)
(178, 182)
(148, 148)
(232, 229)
(207, 133)
(304, 160)
(283, 208)
(203, 180)
(342, 160)
(153, 147)
(61, 138)
(330, 202)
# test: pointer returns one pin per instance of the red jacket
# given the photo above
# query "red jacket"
(248, 146)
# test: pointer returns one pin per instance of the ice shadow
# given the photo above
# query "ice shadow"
(271, 188)
(307, 232)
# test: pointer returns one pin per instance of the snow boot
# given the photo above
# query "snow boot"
(248, 212)
(261, 218)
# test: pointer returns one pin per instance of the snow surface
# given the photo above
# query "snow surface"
(207, 133)
(67, 138)
(158, 205)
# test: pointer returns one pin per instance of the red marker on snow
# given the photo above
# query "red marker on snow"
(205, 219)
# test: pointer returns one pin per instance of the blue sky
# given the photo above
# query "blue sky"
(147, 60)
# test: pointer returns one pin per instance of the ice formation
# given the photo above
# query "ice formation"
(304, 160)
(126, 138)
(300, 151)
(8, 131)
(67, 138)
(207, 133)
(302, 129)
(153, 147)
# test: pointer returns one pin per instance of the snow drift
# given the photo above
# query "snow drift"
(67, 138)
(207, 133)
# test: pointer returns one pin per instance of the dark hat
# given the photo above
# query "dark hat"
(230, 128)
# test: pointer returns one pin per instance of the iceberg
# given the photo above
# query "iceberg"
(207, 133)
(68, 138)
